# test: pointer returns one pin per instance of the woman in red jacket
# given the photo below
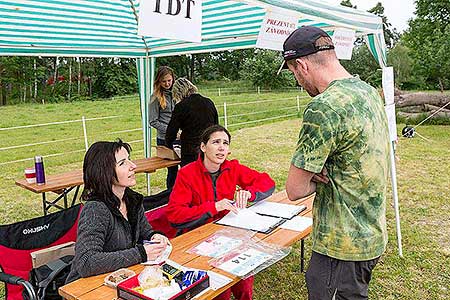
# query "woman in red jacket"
(210, 187)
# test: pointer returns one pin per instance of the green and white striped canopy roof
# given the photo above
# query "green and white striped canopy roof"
(109, 27)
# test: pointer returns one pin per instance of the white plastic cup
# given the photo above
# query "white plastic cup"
(30, 175)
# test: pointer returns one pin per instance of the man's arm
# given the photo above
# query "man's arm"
(299, 183)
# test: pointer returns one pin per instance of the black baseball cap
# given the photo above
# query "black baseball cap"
(301, 42)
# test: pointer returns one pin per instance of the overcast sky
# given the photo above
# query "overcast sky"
(398, 12)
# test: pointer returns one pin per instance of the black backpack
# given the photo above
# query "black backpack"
(48, 278)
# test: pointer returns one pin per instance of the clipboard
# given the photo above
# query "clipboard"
(302, 208)
(259, 231)
(236, 221)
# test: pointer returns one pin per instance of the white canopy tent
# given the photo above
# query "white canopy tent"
(108, 28)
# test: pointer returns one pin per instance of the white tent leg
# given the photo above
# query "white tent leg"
(150, 81)
(395, 196)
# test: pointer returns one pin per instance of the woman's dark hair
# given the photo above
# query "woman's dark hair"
(206, 135)
(99, 171)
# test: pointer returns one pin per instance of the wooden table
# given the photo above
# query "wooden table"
(92, 288)
(62, 184)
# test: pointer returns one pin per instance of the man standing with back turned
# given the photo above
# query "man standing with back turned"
(342, 155)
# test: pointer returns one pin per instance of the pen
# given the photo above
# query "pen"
(146, 242)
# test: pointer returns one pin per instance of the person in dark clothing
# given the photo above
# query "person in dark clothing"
(160, 111)
(112, 226)
(193, 113)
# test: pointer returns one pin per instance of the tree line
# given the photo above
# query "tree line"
(420, 58)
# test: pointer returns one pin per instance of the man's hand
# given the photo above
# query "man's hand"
(226, 204)
(321, 177)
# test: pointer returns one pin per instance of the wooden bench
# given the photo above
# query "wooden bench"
(62, 184)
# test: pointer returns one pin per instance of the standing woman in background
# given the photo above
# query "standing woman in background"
(160, 112)
(192, 114)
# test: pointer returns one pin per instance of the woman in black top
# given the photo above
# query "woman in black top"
(112, 226)
(193, 113)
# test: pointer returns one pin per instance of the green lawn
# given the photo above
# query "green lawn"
(423, 183)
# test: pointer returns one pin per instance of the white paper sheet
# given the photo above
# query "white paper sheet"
(216, 280)
(243, 263)
(297, 223)
(216, 246)
(249, 220)
(275, 209)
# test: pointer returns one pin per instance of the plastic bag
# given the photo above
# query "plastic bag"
(162, 258)
(222, 242)
(250, 258)
(151, 277)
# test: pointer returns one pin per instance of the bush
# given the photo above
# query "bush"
(261, 70)
(417, 120)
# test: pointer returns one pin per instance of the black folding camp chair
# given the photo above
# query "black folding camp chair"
(18, 240)
(14, 280)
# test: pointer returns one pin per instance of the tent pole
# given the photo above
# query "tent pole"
(395, 196)
(149, 135)
(376, 45)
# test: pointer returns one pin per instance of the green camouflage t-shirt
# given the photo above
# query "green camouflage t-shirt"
(345, 130)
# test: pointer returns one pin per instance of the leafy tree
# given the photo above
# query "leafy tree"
(261, 70)
(225, 65)
(114, 76)
(428, 39)
(364, 65)
(180, 64)
(391, 35)
(399, 57)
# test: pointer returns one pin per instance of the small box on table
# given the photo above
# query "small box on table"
(125, 290)
(164, 152)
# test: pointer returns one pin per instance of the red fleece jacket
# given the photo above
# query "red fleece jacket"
(193, 198)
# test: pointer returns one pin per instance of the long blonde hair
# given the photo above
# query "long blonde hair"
(158, 90)
(183, 88)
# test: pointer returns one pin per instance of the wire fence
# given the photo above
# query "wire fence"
(233, 114)
(83, 137)
(221, 91)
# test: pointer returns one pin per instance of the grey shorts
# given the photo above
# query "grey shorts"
(329, 278)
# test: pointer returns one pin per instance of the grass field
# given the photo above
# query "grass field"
(423, 182)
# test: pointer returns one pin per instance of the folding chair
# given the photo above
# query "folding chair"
(18, 240)
(11, 279)
(155, 206)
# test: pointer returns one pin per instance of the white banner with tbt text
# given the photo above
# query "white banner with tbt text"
(343, 40)
(276, 27)
(171, 19)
